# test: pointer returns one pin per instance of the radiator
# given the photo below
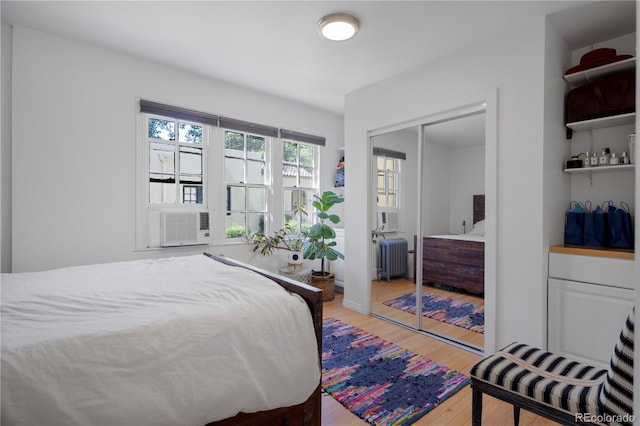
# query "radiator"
(393, 258)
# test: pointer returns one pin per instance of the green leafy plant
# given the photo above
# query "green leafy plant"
(319, 238)
(286, 238)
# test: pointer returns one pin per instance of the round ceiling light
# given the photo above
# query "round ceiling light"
(338, 26)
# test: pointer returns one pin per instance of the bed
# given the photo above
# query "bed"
(457, 261)
(190, 340)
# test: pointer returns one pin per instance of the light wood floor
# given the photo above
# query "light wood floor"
(454, 411)
(381, 291)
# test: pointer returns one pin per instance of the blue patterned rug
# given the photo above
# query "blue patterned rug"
(379, 381)
(445, 309)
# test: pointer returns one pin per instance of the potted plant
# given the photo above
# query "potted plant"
(287, 238)
(320, 244)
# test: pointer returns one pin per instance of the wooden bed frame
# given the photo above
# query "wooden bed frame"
(456, 263)
(309, 412)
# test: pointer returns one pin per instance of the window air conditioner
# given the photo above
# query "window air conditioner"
(389, 221)
(184, 228)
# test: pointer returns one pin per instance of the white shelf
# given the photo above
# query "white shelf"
(599, 123)
(602, 169)
(582, 77)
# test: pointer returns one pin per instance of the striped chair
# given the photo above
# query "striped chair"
(557, 388)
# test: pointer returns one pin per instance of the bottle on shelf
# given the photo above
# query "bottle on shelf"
(603, 160)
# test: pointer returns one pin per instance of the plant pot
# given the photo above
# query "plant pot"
(295, 260)
(326, 283)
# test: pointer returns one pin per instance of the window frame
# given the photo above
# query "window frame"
(266, 185)
(315, 181)
(397, 173)
(177, 173)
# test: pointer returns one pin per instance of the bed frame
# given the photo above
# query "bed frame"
(456, 263)
(309, 412)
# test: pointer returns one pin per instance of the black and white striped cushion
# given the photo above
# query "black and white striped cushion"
(616, 397)
(543, 377)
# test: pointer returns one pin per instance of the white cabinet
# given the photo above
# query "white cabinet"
(589, 299)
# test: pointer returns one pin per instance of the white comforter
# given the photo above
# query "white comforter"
(178, 341)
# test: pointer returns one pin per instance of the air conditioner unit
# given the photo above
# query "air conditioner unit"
(184, 228)
(389, 220)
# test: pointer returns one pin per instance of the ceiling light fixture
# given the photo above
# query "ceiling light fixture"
(338, 26)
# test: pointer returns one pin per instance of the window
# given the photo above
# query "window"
(299, 181)
(388, 173)
(176, 161)
(246, 179)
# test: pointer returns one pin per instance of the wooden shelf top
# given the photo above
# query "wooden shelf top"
(593, 251)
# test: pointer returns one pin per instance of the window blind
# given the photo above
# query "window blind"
(247, 126)
(178, 113)
(389, 153)
(156, 108)
(302, 137)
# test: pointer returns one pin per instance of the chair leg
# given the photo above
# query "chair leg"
(476, 406)
(516, 415)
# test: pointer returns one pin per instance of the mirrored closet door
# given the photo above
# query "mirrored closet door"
(428, 215)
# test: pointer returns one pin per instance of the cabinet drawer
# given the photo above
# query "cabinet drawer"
(595, 270)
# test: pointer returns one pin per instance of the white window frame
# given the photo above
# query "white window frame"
(397, 173)
(267, 185)
(315, 178)
(146, 226)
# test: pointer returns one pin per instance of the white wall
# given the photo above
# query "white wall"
(466, 177)
(74, 134)
(513, 65)
(5, 152)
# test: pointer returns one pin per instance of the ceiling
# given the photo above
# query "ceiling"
(274, 47)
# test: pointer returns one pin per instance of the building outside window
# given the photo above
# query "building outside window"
(246, 180)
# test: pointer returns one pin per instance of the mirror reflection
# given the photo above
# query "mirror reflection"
(434, 251)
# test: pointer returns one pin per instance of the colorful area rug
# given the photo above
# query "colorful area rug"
(379, 381)
(452, 311)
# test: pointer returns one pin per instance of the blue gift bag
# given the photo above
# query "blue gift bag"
(595, 230)
(619, 227)
(574, 224)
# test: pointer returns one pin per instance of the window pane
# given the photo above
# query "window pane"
(161, 158)
(189, 133)
(235, 199)
(234, 144)
(380, 162)
(289, 152)
(391, 200)
(255, 222)
(162, 192)
(290, 199)
(255, 147)
(191, 194)
(390, 164)
(306, 155)
(255, 172)
(391, 179)
(306, 177)
(380, 183)
(190, 160)
(235, 225)
(162, 129)
(256, 199)
(234, 170)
